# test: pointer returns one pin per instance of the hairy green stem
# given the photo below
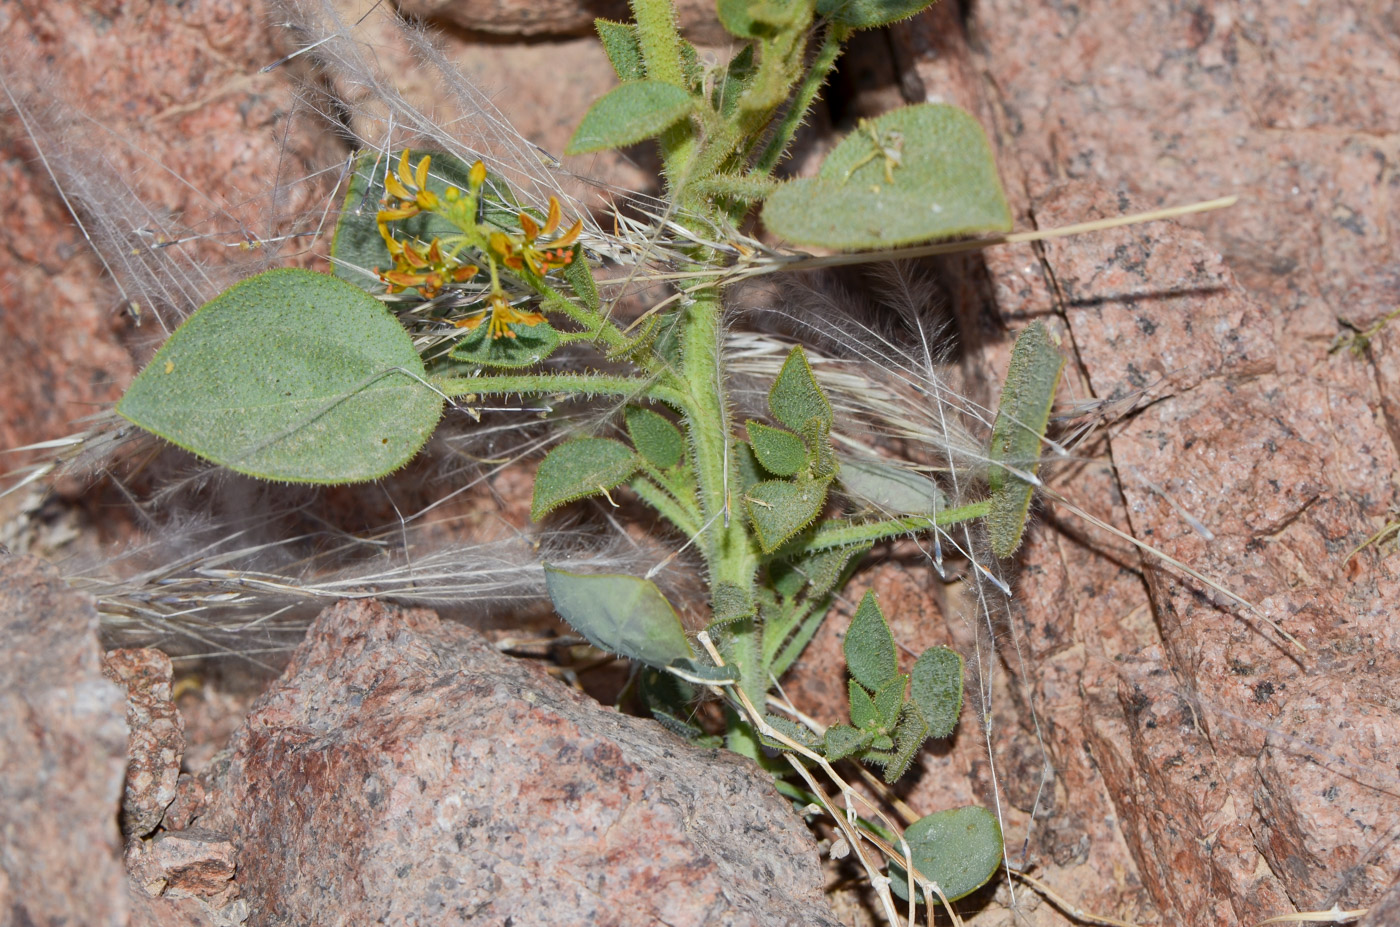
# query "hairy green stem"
(802, 100)
(574, 384)
(838, 534)
(654, 495)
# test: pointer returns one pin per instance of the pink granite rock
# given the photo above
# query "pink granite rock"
(62, 754)
(403, 771)
(157, 737)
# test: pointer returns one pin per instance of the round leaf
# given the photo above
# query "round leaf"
(941, 182)
(620, 614)
(959, 849)
(290, 375)
(630, 113)
(938, 689)
(579, 468)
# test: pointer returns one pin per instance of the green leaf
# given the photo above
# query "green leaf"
(1022, 416)
(842, 740)
(779, 509)
(792, 730)
(531, 344)
(781, 453)
(909, 736)
(864, 714)
(630, 113)
(737, 73)
(869, 646)
(960, 849)
(890, 489)
(703, 673)
(290, 375)
(890, 699)
(818, 571)
(623, 47)
(870, 14)
(796, 398)
(654, 437)
(358, 248)
(938, 689)
(735, 17)
(619, 614)
(579, 468)
(746, 467)
(943, 184)
(731, 603)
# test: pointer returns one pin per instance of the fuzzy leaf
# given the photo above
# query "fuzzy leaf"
(869, 646)
(531, 344)
(654, 436)
(623, 47)
(792, 730)
(796, 398)
(890, 489)
(290, 375)
(870, 14)
(579, 468)
(938, 689)
(890, 699)
(909, 735)
(960, 849)
(580, 277)
(630, 113)
(842, 740)
(746, 467)
(358, 248)
(864, 714)
(619, 614)
(944, 184)
(731, 603)
(699, 673)
(1022, 416)
(817, 571)
(779, 509)
(781, 453)
(727, 92)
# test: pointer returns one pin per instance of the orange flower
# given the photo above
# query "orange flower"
(518, 253)
(426, 271)
(502, 314)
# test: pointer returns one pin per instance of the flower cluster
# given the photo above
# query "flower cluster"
(431, 267)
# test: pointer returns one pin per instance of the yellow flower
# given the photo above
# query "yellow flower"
(502, 315)
(427, 271)
(519, 253)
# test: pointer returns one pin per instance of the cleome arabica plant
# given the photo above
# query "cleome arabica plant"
(446, 288)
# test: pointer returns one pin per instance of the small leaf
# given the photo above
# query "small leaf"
(746, 467)
(938, 689)
(623, 47)
(619, 614)
(864, 714)
(731, 603)
(942, 182)
(870, 14)
(869, 646)
(909, 735)
(890, 489)
(842, 740)
(960, 849)
(531, 344)
(734, 15)
(630, 113)
(727, 92)
(1022, 416)
(654, 437)
(358, 248)
(796, 398)
(579, 468)
(703, 673)
(792, 730)
(889, 700)
(819, 571)
(290, 375)
(781, 453)
(779, 509)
